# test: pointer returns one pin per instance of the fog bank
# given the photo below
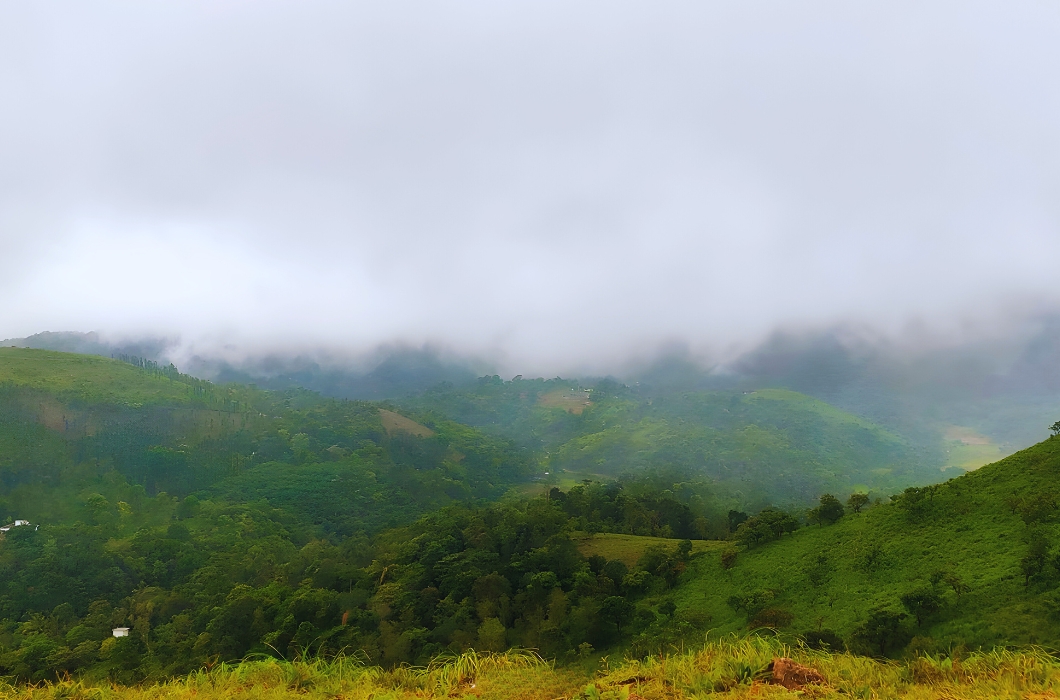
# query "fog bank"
(556, 188)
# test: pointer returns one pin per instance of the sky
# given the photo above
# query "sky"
(550, 184)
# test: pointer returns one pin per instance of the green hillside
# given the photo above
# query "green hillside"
(92, 379)
(757, 447)
(67, 421)
(978, 554)
(221, 521)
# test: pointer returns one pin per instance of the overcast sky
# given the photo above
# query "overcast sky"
(548, 183)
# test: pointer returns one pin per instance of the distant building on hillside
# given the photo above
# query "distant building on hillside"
(17, 523)
(120, 631)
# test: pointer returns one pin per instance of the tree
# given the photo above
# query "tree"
(959, 587)
(618, 610)
(1055, 428)
(819, 571)
(750, 603)
(857, 501)
(774, 618)
(1033, 562)
(778, 521)
(1036, 508)
(922, 603)
(492, 635)
(737, 517)
(828, 512)
(728, 557)
(915, 501)
(881, 632)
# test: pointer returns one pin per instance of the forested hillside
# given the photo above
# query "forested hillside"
(219, 521)
(76, 422)
(762, 447)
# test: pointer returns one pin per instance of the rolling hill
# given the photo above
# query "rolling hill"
(758, 447)
(976, 557)
(66, 420)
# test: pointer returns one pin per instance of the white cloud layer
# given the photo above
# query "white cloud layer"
(554, 184)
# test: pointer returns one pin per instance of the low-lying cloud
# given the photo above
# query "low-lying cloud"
(555, 186)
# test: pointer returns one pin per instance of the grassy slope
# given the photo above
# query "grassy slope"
(969, 530)
(726, 669)
(87, 377)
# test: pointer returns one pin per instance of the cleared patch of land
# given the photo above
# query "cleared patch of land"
(395, 423)
(571, 400)
(628, 549)
(88, 377)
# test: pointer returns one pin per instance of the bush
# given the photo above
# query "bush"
(824, 639)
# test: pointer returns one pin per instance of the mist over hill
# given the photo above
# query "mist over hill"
(385, 372)
(971, 402)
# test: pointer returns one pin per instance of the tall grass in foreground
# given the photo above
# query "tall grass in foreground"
(729, 668)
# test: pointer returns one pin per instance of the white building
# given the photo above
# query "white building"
(120, 631)
(17, 523)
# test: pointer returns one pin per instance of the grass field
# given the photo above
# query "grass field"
(832, 577)
(628, 549)
(730, 668)
(87, 377)
(395, 422)
(571, 400)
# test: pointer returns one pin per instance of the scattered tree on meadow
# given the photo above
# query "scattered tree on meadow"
(1036, 508)
(1033, 563)
(1055, 428)
(915, 501)
(770, 524)
(871, 559)
(922, 603)
(819, 571)
(954, 582)
(824, 639)
(881, 633)
(751, 603)
(830, 511)
(728, 557)
(857, 501)
(773, 618)
(736, 518)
